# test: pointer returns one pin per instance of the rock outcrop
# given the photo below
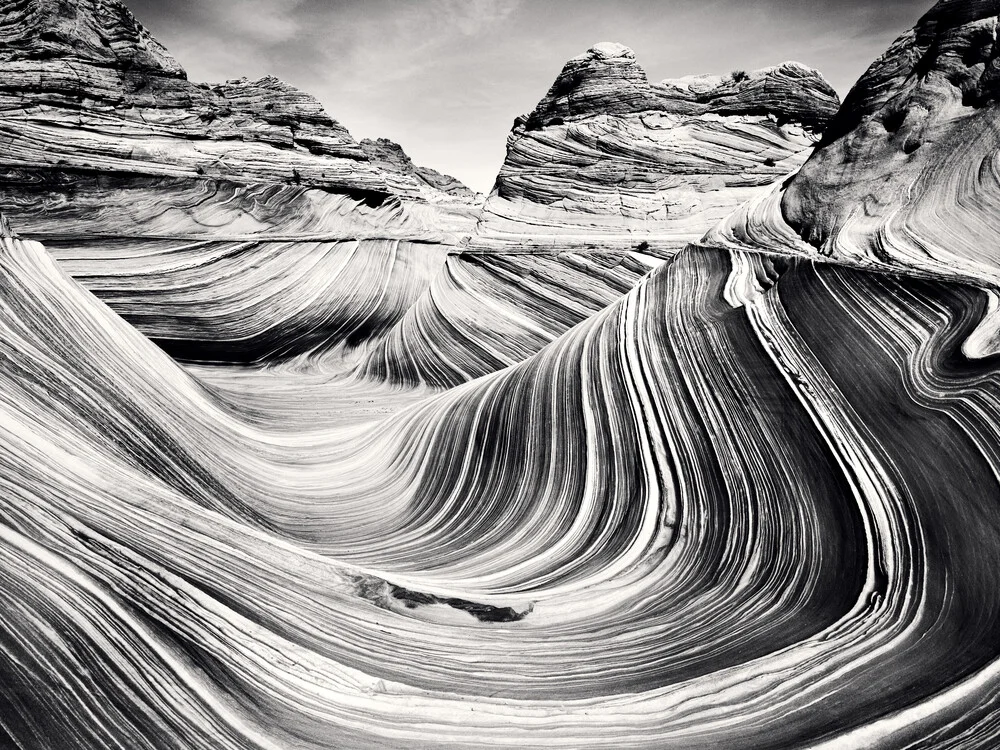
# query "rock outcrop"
(608, 156)
(604, 180)
(905, 171)
(86, 89)
(125, 167)
(390, 157)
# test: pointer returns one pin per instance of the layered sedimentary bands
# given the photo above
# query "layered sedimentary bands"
(609, 157)
(751, 502)
(606, 178)
(106, 140)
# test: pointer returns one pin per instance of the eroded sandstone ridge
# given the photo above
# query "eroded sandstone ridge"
(156, 192)
(85, 89)
(393, 160)
(607, 177)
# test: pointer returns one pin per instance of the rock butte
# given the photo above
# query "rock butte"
(748, 501)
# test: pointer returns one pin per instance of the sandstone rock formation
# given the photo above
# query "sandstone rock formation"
(167, 197)
(910, 157)
(86, 88)
(608, 156)
(705, 498)
(751, 503)
(606, 178)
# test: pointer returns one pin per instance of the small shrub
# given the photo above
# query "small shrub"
(769, 162)
(642, 246)
(739, 75)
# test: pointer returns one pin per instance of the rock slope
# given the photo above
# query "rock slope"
(393, 160)
(910, 157)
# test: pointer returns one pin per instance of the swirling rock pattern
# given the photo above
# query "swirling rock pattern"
(158, 191)
(604, 180)
(718, 532)
(253, 301)
(488, 310)
(751, 503)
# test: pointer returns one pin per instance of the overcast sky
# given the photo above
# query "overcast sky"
(446, 78)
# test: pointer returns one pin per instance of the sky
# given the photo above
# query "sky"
(446, 78)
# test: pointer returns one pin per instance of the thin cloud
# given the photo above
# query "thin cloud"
(265, 21)
(473, 17)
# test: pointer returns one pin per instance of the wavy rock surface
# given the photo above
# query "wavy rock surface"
(167, 197)
(487, 311)
(620, 529)
(607, 177)
(751, 503)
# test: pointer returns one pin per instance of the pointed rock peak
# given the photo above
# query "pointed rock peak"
(383, 146)
(953, 49)
(100, 32)
(390, 156)
(604, 80)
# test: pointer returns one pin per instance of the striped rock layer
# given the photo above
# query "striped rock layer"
(699, 519)
(751, 503)
(608, 156)
(153, 187)
(606, 178)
